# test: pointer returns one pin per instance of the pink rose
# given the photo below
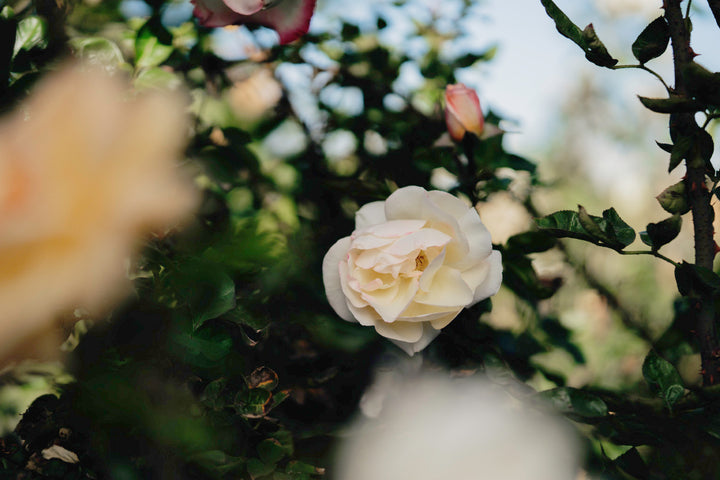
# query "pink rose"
(462, 111)
(290, 18)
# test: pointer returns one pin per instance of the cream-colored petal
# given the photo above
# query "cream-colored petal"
(448, 289)
(478, 238)
(429, 274)
(390, 302)
(369, 242)
(365, 316)
(394, 228)
(370, 214)
(428, 335)
(449, 203)
(406, 203)
(420, 240)
(415, 202)
(349, 288)
(419, 312)
(493, 279)
(331, 278)
(444, 321)
(404, 331)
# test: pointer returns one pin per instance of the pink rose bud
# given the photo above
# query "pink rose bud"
(462, 111)
(290, 18)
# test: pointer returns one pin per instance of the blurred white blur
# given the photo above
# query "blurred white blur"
(430, 427)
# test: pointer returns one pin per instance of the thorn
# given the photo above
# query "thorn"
(703, 372)
(692, 52)
(717, 248)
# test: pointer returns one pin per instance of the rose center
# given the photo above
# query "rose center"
(421, 261)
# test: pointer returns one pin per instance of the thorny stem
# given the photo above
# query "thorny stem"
(643, 67)
(702, 213)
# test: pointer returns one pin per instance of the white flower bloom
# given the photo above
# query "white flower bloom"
(411, 265)
(464, 429)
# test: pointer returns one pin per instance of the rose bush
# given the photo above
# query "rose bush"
(411, 265)
(290, 18)
(462, 111)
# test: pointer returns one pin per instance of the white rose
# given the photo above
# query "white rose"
(430, 428)
(412, 264)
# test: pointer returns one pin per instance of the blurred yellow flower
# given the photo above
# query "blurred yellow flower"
(85, 172)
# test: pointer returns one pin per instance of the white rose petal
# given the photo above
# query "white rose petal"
(411, 265)
(61, 453)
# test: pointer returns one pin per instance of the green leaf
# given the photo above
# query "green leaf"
(663, 378)
(623, 233)
(8, 27)
(673, 104)
(691, 279)
(217, 461)
(573, 401)
(263, 377)
(664, 232)
(253, 403)
(674, 199)
(271, 451)
(531, 242)
(680, 151)
(205, 349)
(31, 33)
(652, 41)
(204, 287)
(97, 51)
(632, 463)
(563, 24)
(667, 147)
(609, 230)
(257, 468)
(153, 44)
(591, 225)
(212, 395)
(586, 39)
(702, 84)
(156, 78)
(564, 224)
(301, 467)
(595, 50)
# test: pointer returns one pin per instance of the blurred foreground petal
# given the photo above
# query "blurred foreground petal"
(432, 427)
(85, 173)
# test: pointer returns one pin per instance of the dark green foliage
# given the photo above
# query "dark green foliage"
(609, 230)
(661, 233)
(663, 378)
(653, 41)
(586, 39)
